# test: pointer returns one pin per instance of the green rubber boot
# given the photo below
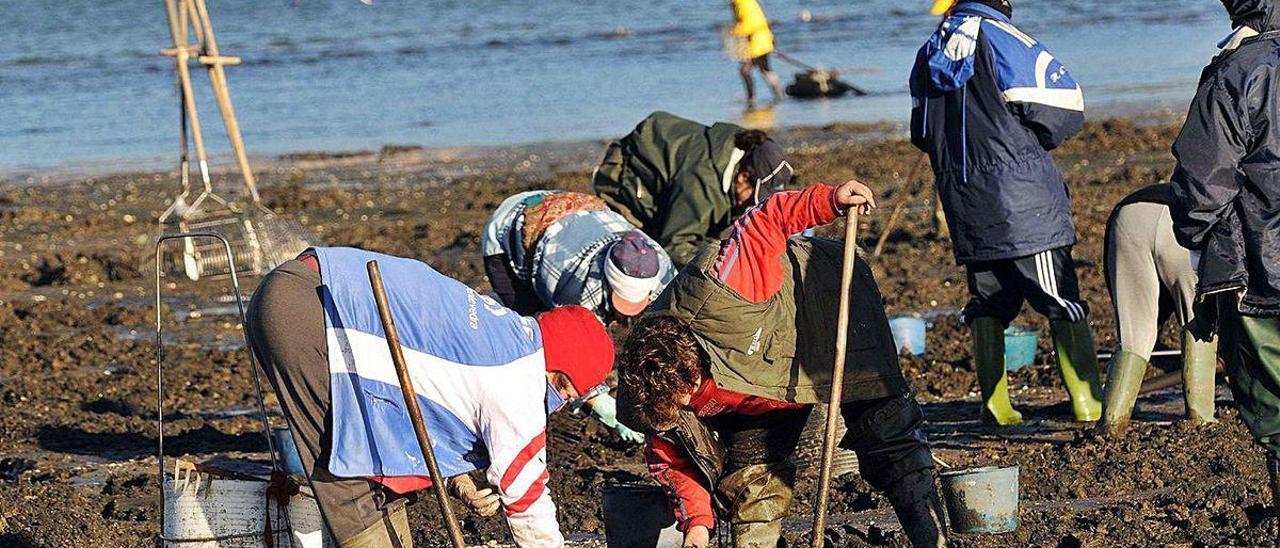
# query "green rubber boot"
(1199, 365)
(993, 380)
(1124, 381)
(1078, 362)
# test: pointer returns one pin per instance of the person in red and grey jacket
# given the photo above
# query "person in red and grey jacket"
(726, 365)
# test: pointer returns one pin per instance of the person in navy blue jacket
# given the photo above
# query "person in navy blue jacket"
(988, 104)
(1226, 209)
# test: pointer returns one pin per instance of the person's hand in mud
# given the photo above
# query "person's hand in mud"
(605, 410)
(855, 194)
(481, 499)
(697, 536)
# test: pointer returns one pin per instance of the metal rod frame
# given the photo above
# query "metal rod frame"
(253, 361)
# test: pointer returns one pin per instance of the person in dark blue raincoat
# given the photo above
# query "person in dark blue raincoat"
(989, 103)
(1226, 210)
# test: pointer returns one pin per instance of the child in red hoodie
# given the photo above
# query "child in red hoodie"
(730, 443)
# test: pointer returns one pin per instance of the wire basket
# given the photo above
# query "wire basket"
(260, 241)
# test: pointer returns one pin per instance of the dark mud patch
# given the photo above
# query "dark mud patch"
(59, 270)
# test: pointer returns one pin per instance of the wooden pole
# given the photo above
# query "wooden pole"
(218, 76)
(411, 404)
(837, 375)
(897, 209)
(181, 52)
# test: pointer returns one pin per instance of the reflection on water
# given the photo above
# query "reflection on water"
(83, 81)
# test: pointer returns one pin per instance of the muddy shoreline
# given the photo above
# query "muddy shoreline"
(77, 370)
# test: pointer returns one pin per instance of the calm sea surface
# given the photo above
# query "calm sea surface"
(82, 84)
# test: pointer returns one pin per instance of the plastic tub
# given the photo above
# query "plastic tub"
(981, 500)
(908, 332)
(203, 510)
(1020, 347)
(638, 516)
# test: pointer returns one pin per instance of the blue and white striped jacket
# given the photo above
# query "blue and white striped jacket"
(477, 368)
(989, 102)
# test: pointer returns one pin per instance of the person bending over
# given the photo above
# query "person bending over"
(547, 248)
(684, 184)
(1150, 277)
(486, 379)
(726, 365)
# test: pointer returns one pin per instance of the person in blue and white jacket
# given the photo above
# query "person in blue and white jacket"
(486, 379)
(989, 103)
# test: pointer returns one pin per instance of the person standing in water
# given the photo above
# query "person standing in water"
(754, 43)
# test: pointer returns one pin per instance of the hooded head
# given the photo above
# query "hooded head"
(1259, 15)
(943, 6)
(763, 170)
(575, 343)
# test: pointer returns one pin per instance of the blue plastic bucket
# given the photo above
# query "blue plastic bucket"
(286, 451)
(1020, 347)
(981, 500)
(908, 332)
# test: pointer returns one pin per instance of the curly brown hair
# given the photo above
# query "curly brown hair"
(660, 361)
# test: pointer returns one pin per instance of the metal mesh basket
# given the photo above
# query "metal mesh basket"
(260, 241)
(279, 238)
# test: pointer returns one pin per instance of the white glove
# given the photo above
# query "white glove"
(481, 500)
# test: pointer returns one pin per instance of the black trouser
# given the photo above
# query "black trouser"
(893, 456)
(287, 334)
(1046, 280)
(513, 292)
(888, 436)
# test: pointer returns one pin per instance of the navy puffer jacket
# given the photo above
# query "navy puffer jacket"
(1226, 187)
(989, 102)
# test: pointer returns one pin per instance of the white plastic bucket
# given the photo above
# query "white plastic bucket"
(212, 512)
(209, 512)
(808, 455)
(305, 522)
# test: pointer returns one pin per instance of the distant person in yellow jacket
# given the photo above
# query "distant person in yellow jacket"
(754, 43)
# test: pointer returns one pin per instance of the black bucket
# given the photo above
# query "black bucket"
(638, 516)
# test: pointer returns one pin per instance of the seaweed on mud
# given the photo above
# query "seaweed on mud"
(78, 398)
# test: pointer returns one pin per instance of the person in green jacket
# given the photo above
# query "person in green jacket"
(723, 369)
(684, 184)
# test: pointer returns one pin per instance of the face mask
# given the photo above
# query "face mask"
(554, 401)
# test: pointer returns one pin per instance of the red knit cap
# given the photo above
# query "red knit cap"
(575, 343)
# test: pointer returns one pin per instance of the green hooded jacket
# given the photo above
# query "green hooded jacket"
(783, 349)
(672, 177)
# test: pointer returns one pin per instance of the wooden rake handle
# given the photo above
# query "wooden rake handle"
(411, 404)
(837, 375)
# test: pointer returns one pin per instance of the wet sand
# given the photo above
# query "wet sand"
(77, 370)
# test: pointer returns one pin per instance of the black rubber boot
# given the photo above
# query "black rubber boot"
(915, 500)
